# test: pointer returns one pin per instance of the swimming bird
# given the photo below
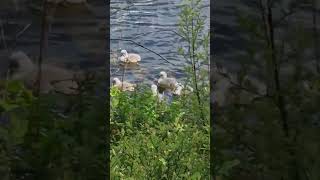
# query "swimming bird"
(129, 57)
(182, 90)
(124, 86)
(165, 95)
(165, 83)
(155, 92)
(52, 78)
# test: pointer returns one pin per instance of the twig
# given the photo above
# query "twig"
(123, 74)
(43, 44)
(142, 34)
(118, 10)
(2, 35)
(129, 40)
(23, 30)
(285, 15)
(239, 86)
(117, 70)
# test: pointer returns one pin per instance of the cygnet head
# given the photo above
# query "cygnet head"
(163, 74)
(20, 62)
(124, 52)
(116, 81)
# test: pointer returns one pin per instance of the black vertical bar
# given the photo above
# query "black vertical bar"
(212, 176)
(108, 86)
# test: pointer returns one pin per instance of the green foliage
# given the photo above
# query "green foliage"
(68, 144)
(154, 140)
(253, 132)
(14, 95)
(195, 51)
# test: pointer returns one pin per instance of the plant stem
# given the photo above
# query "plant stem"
(279, 96)
(270, 83)
(3, 36)
(123, 74)
(194, 70)
(43, 45)
(32, 136)
(280, 99)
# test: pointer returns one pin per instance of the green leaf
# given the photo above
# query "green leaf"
(227, 166)
(7, 106)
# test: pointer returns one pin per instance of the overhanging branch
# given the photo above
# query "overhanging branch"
(129, 40)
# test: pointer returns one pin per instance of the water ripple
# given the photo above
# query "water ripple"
(150, 23)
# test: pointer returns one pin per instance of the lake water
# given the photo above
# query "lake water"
(230, 40)
(149, 23)
(76, 37)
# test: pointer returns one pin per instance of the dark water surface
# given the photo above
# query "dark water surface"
(76, 33)
(230, 39)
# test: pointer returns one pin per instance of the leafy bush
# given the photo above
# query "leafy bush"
(41, 140)
(151, 139)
